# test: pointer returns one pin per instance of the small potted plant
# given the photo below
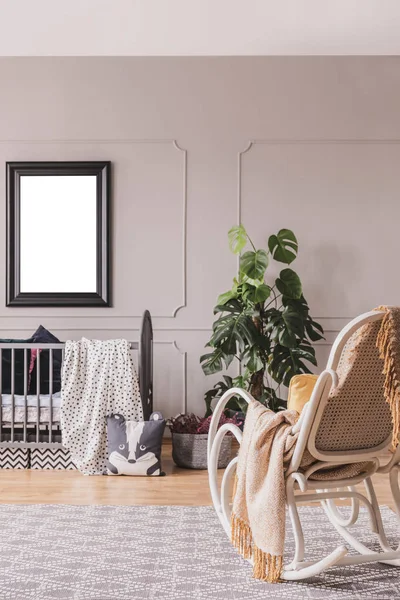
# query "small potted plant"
(189, 440)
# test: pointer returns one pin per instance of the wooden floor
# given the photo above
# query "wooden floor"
(179, 487)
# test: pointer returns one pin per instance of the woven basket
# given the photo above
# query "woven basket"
(189, 451)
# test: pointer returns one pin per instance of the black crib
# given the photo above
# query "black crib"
(29, 421)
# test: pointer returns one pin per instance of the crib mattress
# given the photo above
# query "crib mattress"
(19, 415)
(32, 409)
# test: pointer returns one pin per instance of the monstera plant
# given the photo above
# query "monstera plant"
(265, 325)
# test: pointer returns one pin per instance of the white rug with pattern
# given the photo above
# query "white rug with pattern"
(58, 552)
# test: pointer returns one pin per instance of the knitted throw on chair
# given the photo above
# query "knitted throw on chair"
(259, 504)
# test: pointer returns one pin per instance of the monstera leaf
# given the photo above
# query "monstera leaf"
(262, 293)
(253, 264)
(237, 237)
(236, 403)
(283, 246)
(289, 284)
(216, 392)
(257, 294)
(235, 327)
(226, 296)
(299, 305)
(253, 360)
(313, 329)
(287, 362)
(212, 362)
(293, 321)
(231, 305)
(271, 399)
(285, 326)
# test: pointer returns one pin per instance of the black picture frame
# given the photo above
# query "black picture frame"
(102, 171)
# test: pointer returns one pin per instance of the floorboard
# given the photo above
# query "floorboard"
(180, 487)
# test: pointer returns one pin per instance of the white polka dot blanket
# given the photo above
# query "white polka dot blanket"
(98, 380)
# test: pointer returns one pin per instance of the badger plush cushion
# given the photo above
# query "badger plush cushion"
(134, 447)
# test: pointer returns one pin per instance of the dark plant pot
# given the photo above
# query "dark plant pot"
(189, 451)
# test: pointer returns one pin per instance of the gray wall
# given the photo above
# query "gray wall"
(306, 143)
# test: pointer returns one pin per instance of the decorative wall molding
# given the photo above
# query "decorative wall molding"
(327, 141)
(185, 377)
(298, 142)
(334, 324)
(169, 329)
(183, 354)
(184, 233)
(239, 182)
(110, 141)
(71, 141)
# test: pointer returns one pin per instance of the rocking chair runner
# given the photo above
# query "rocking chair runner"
(347, 420)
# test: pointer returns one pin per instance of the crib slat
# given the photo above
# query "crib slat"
(12, 393)
(38, 396)
(25, 393)
(50, 394)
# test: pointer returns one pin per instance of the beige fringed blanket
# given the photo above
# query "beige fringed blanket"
(258, 513)
(259, 504)
(388, 343)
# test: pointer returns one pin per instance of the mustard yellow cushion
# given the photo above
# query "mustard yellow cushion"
(300, 390)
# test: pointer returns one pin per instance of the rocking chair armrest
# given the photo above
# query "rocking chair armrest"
(303, 415)
(334, 378)
(297, 426)
(304, 424)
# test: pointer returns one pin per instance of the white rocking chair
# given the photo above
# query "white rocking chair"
(351, 425)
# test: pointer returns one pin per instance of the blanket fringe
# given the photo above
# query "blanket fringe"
(241, 537)
(386, 343)
(266, 567)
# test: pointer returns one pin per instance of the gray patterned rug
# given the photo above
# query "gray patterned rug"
(58, 552)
